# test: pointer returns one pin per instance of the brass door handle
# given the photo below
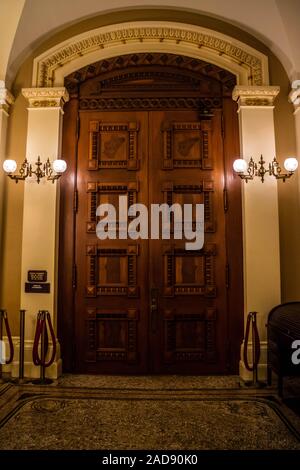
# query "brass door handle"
(154, 309)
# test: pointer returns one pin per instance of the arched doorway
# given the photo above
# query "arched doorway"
(158, 128)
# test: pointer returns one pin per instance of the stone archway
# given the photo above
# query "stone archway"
(255, 99)
(249, 65)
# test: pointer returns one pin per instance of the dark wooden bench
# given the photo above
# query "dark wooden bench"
(283, 329)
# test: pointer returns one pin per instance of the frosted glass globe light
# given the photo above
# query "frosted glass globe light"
(240, 165)
(59, 166)
(290, 164)
(9, 166)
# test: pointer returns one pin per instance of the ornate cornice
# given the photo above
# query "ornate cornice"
(255, 95)
(6, 98)
(227, 50)
(46, 97)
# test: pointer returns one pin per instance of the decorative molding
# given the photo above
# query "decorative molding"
(103, 151)
(6, 98)
(30, 370)
(175, 71)
(149, 103)
(224, 50)
(127, 287)
(204, 285)
(46, 97)
(204, 349)
(294, 95)
(177, 147)
(255, 95)
(126, 350)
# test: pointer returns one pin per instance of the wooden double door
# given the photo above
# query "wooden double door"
(150, 305)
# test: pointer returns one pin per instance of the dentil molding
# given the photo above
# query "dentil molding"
(255, 95)
(225, 51)
(46, 97)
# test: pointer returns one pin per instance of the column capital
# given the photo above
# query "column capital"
(54, 97)
(6, 98)
(294, 95)
(255, 95)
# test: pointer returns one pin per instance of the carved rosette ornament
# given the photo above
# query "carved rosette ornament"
(46, 97)
(255, 95)
(6, 98)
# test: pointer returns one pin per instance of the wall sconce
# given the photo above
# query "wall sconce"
(247, 171)
(43, 170)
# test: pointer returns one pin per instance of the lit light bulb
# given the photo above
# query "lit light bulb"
(240, 165)
(59, 166)
(290, 164)
(9, 166)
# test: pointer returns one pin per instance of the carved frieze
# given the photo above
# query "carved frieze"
(46, 97)
(255, 95)
(219, 45)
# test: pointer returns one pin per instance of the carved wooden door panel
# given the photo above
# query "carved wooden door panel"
(189, 317)
(150, 305)
(111, 295)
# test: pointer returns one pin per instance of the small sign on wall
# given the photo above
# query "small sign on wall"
(37, 276)
(37, 282)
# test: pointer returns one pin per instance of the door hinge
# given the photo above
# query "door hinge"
(74, 276)
(75, 202)
(227, 276)
(77, 127)
(225, 199)
(222, 126)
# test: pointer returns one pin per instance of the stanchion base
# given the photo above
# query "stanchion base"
(251, 384)
(42, 381)
(18, 381)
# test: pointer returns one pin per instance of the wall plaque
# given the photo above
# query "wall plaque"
(37, 287)
(37, 276)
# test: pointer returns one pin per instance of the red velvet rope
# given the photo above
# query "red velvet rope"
(53, 339)
(35, 349)
(251, 319)
(42, 319)
(9, 337)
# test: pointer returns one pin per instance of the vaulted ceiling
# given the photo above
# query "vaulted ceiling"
(25, 24)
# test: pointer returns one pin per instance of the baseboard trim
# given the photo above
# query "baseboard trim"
(30, 370)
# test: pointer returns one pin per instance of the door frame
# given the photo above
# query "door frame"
(67, 234)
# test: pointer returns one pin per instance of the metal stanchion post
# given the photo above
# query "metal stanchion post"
(42, 362)
(255, 364)
(252, 324)
(22, 341)
(4, 322)
(43, 353)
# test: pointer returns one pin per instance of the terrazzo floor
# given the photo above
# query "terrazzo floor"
(160, 412)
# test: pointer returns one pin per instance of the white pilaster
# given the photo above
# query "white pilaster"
(41, 204)
(6, 100)
(294, 98)
(260, 211)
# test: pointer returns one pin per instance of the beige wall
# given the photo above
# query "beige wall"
(9, 19)
(285, 143)
(288, 193)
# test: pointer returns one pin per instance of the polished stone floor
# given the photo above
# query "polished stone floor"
(161, 412)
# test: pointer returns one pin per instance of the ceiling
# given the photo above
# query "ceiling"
(27, 23)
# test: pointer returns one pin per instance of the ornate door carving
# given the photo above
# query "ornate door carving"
(174, 162)
(187, 165)
(151, 306)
